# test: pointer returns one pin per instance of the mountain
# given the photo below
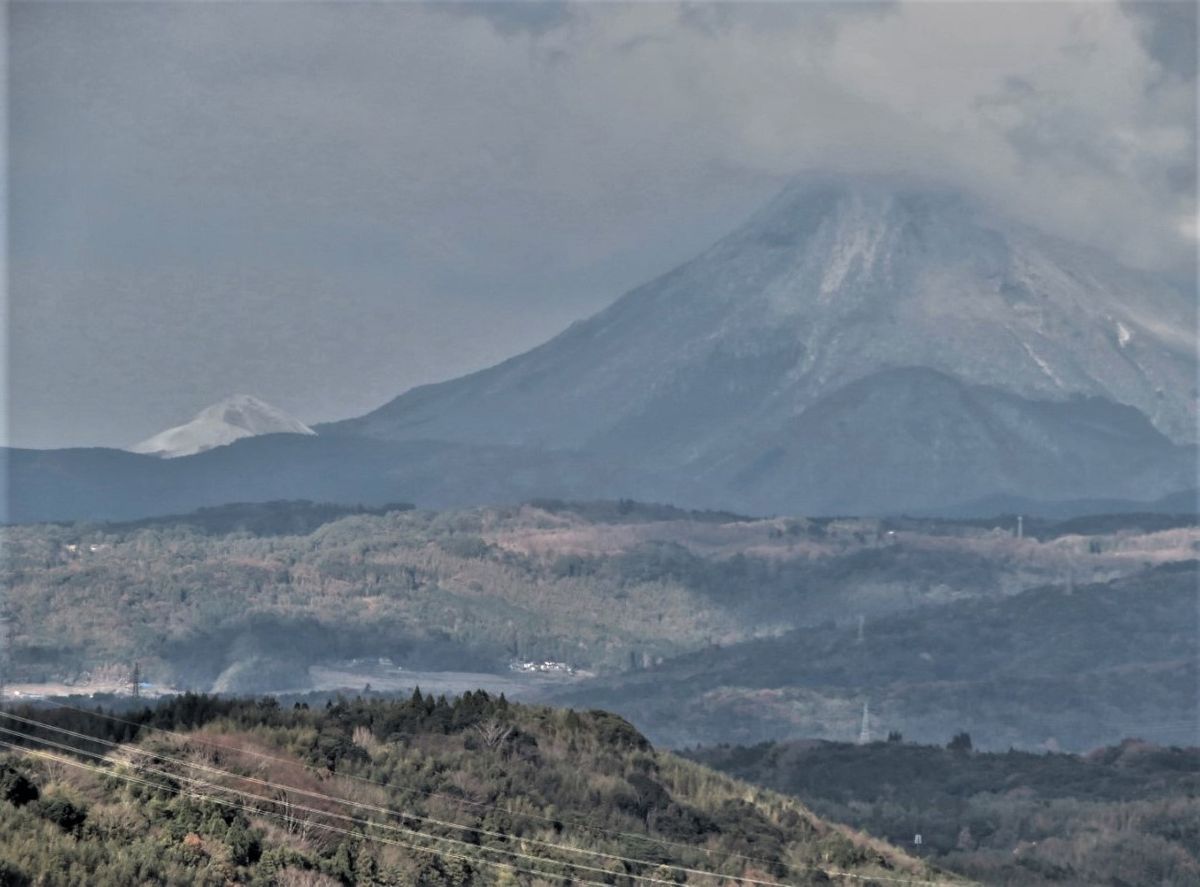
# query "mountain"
(97, 483)
(922, 439)
(827, 285)
(220, 424)
(857, 346)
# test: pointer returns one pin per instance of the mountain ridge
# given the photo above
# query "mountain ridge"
(857, 346)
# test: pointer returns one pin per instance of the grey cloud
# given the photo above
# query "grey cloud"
(509, 17)
(715, 19)
(1169, 32)
(389, 194)
(1016, 91)
(1181, 177)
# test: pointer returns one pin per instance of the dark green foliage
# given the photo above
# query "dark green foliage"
(615, 732)
(961, 742)
(15, 787)
(466, 546)
(754, 835)
(282, 518)
(1130, 812)
(243, 845)
(61, 812)
(11, 876)
(631, 511)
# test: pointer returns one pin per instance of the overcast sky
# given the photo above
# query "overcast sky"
(326, 204)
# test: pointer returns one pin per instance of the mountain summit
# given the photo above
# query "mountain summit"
(222, 423)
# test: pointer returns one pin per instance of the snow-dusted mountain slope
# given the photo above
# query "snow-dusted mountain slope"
(830, 283)
(222, 423)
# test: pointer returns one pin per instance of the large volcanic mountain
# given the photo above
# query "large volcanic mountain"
(827, 285)
(854, 347)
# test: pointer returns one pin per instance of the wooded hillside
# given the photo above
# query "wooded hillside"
(420, 792)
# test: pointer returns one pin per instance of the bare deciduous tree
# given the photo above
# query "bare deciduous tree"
(493, 732)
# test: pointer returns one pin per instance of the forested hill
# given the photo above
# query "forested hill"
(430, 792)
(245, 598)
(1127, 814)
(1068, 666)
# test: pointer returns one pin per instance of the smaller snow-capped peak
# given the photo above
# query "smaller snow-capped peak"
(222, 423)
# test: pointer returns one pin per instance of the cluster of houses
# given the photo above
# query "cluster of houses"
(77, 548)
(546, 666)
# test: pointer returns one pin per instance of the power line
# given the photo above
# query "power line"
(388, 826)
(374, 808)
(359, 820)
(426, 792)
(105, 771)
(368, 822)
(352, 803)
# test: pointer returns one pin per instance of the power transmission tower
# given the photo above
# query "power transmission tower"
(864, 733)
(135, 681)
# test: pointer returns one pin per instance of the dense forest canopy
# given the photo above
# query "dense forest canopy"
(1126, 814)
